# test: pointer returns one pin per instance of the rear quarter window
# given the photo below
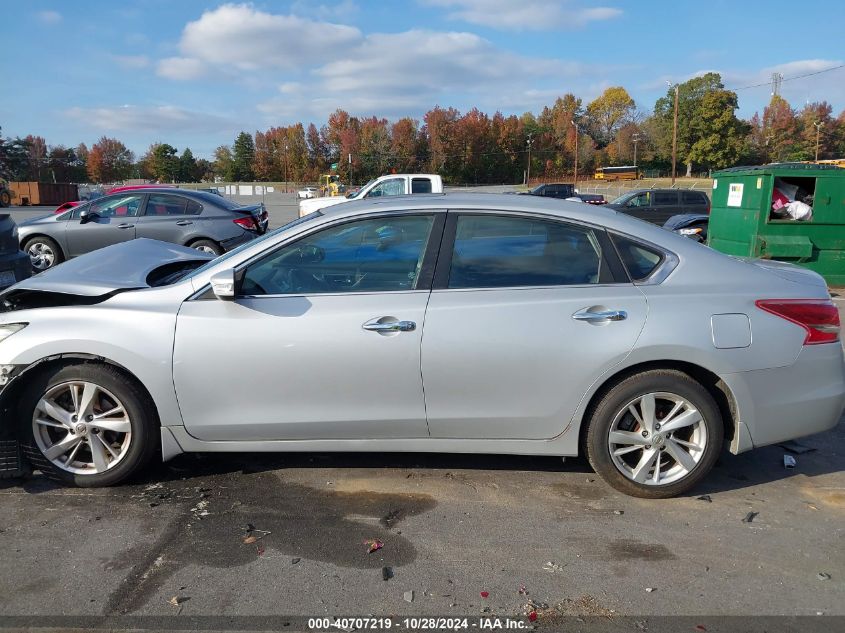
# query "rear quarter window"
(694, 197)
(639, 260)
(665, 198)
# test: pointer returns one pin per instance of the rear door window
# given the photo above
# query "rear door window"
(165, 204)
(501, 252)
(420, 185)
(665, 198)
(694, 197)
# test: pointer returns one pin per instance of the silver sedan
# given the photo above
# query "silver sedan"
(458, 323)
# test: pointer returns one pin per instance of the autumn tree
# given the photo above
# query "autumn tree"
(109, 161)
(811, 115)
(243, 154)
(223, 164)
(780, 129)
(609, 112)
(438, 131)
(406, 145)
(37, 156)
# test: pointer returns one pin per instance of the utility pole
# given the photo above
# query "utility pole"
(350, 169)
(818, 125)
(528, 177)
(577, 134)
(286, 167)
(636, 139)
(674, 136)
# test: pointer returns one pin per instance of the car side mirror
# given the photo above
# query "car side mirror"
(223, 284)
(86, 216)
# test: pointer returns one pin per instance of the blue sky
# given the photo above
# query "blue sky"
(195, 72)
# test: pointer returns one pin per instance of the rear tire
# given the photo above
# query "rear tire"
(208, 246)
(87, 424)
(5, 199)
(655, 435)
(43, 253)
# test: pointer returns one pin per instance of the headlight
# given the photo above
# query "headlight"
(690, 231)
(7, 329)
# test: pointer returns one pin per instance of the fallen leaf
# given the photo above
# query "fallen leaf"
(485, 594)
(373, 545)
(250, 539)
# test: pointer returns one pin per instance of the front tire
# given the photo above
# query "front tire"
(5, 199)
(655, 435)
(43, 253)
(87, 424)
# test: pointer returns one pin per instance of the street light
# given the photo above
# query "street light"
(818, 125)
(286, 167)
(577, 134)
(674, 134)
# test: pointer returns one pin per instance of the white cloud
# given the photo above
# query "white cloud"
(181, 68)
(134, 62)
(525, 15)
(149, 118)
(49, 17)
(238, 36)
(324, 11)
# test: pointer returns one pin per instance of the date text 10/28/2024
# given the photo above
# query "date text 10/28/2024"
(419, 624)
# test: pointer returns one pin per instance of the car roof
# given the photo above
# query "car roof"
(188, 192)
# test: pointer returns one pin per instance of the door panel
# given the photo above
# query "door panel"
(169, 218)
(300, 367)
(112, 221)
(513, 363)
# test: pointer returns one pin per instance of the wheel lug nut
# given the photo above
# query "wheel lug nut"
(90, 417)
(645, 433)
(95, 430)
(656, 427)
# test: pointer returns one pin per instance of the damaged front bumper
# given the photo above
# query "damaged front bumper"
(12, 461)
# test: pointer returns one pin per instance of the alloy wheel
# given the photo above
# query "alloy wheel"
(206, 249)
(81, 427)
(41, 255)
(657, 439)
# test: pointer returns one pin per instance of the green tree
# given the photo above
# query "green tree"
(161, 162)
(243, 155)
(719, 137)
(188, 169)
(690, 96)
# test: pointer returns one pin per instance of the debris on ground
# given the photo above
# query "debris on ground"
(811, 506)
(408, 596)
(253, 534)
(748, 518)
(485, 594)
(294, 561)
(260, 549)
(177, 601)
(823, 576)
(532, 616)
(706, 498)
(199, 510)
(700, 627)
(386, 573)
(794, 447)
(650, 589)
(523, 591)
(619, 512)
(392, 518)
(789, 461)
(552, 567)
(373, 545)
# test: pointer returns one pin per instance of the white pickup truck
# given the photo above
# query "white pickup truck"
(390, 185)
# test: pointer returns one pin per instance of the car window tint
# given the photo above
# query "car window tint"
(376, 255)
(665, 197)
(694, 197)
(392, 187)
(124, 205)
(639, 260)
(163, 204)
(193, 208)
(420, 185)
(500, 252)
(640, 200)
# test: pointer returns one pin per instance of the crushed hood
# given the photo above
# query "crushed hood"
(124, 266)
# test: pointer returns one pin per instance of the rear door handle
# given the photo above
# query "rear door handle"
(382, 324)
(125, 226)
(605, 315)
(183, 223)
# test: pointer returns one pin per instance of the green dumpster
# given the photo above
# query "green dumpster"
(793, 212)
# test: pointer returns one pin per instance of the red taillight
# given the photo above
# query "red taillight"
(818, 317)
(246, 222)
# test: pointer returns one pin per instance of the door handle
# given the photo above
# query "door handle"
(605, 315)
(183, 223)
(125, 226)
(378, 325)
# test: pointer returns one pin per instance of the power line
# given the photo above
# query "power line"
(783, 79)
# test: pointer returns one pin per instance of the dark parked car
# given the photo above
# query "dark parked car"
(14, 264)
(658, 205)
(692, 225)
(553, 190)
(204, 221)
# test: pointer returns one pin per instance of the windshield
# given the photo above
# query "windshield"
(623, 198)
(357, 194)
(537, 190)
(251, 243)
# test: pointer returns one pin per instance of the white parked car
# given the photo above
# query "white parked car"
(307, 192)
